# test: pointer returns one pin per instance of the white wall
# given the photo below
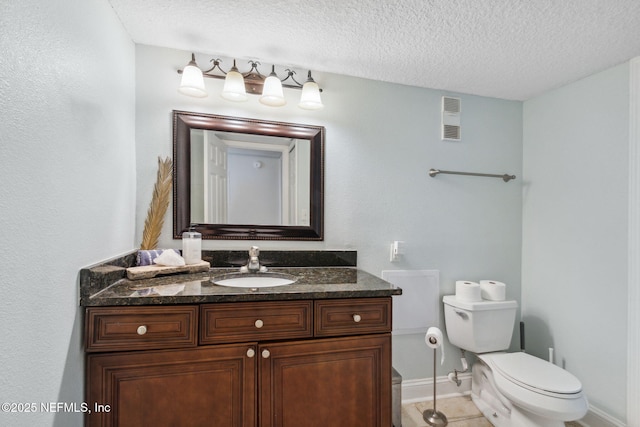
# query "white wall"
(250, 186)
(381, 141)
(67, 197)
(574, 286)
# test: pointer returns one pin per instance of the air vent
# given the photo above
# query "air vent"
(450, 105)
(451, 132)
(451, 118)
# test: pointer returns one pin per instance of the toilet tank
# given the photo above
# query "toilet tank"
(479, 327)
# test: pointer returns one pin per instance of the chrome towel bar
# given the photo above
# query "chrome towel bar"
(505, 177)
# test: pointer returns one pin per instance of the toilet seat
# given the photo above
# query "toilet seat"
(537, 385)
(536, 374)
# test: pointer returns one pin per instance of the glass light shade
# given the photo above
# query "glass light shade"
(310, 98)
(272, 94)
(233, 89)
(192, 83)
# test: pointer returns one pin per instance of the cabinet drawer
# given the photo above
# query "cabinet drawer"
(239, 322)
(352, 316)
(140, 328)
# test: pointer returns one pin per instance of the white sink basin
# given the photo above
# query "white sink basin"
(257, 280)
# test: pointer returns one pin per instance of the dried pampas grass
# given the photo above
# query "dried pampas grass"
(159, 205)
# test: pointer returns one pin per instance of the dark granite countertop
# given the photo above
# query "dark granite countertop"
(312, 283)
(107, 285)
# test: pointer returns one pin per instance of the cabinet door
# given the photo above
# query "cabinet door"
(326, 382)
(213, 386)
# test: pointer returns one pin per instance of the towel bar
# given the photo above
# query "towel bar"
(505, 177)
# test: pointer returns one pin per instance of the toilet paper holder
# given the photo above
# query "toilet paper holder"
(433, 417)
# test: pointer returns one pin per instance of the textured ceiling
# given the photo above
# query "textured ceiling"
(511, 49)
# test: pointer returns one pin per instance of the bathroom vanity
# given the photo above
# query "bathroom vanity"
(179, 350)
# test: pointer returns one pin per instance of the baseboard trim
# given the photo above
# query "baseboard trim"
(598, 418)
(421, 390)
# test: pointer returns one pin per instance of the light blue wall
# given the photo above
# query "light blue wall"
(74, 140)
(381, 141)
(574, 269)
(78, 134)
(67, 197)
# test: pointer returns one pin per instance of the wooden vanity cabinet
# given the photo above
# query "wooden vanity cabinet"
(207, 386)
(326, 382)
(305, 363)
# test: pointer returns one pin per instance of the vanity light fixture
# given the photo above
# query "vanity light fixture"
(192, 83)
(237, 84)
(233, 89)
(310, 98)
(272, 90)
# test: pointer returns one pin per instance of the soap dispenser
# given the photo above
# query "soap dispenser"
(192, 246)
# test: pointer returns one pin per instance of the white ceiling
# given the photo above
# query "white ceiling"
(510, 49)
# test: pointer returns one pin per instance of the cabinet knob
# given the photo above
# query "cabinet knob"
(251, 352)
(142, 329)
(357, 318)
(259, 323)
(266, 353)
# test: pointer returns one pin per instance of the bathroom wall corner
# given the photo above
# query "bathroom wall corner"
(633, 329)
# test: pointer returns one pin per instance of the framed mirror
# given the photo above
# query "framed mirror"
(247, 179)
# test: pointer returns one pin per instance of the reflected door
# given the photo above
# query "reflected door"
(215, 186)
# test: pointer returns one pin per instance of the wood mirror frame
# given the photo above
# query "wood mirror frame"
(184, 122)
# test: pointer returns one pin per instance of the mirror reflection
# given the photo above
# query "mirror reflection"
(239, 178)
(242, 178)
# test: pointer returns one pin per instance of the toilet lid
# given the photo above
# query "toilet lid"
(534, 373)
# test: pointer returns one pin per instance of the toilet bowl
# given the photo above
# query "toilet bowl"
(539, 391)
(510, 389)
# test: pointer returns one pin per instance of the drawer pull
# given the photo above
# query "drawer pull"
(250, 353)
(142, 329)
(357, 318)
(259, 323)
(266, 353)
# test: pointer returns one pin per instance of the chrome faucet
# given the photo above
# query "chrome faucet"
(253, 264)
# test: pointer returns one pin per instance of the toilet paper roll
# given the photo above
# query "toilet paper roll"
(492, 290)
(468, 291)
(433, 339)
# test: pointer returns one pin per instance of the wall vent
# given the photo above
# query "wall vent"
(451, 118)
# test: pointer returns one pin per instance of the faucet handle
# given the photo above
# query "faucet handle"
(254, 251)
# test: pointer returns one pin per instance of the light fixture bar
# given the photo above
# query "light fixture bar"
(237, 84)
(253, 74)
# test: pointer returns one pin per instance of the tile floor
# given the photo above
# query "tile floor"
(460, 412)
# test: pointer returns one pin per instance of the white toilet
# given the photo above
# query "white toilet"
(511, 389)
